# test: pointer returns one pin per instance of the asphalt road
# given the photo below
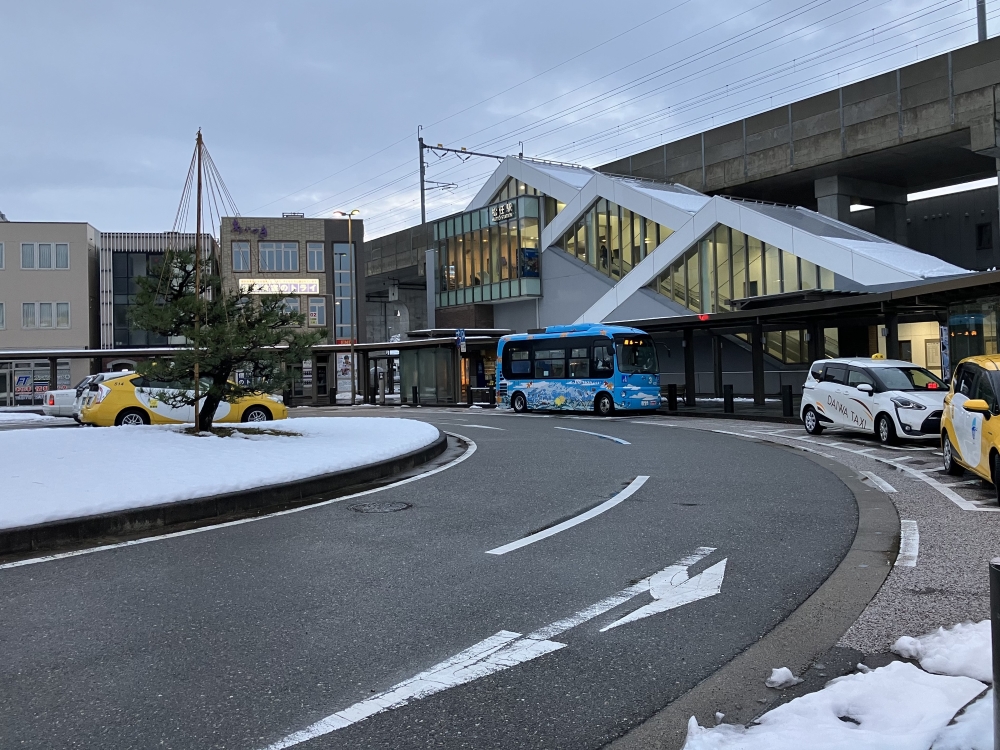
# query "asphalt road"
(239, 637)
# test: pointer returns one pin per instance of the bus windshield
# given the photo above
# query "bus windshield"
(636, 354)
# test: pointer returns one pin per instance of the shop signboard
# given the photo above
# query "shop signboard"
(503, 211)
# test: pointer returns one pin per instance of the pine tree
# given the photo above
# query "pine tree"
(228, 332)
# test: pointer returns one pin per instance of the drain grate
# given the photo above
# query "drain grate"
(379, 507)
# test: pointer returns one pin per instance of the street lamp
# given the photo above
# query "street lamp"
(354, 311)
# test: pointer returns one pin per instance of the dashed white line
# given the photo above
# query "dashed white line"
(476, 426)
(909, 544)
(586, 516)
(173, 535)
(596, 434)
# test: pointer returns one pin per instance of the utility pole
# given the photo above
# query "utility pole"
(981, 16)
(197, 289)
(423, 204)
(354, 308)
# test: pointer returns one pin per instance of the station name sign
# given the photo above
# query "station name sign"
(238, 228)
(279, 286)
(503, 211)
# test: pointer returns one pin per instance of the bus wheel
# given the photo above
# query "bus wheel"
(519, 403)
(603, 405)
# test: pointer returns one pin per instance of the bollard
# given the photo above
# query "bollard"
(995, 625)
(727, 400)
(672, 397)
(381, 389)
(493, 396)
(468, 396)
(333, 395)
(416, 397)
(787, 409)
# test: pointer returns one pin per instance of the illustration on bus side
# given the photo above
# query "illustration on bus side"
(579, 367)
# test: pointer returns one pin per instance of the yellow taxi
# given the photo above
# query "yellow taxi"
(133, 400)
(970, 425)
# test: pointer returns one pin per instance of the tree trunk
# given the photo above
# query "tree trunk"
(206, 414)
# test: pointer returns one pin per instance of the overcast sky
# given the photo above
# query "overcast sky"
(314, 106)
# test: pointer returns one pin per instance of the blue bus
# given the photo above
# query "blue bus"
(579, 367)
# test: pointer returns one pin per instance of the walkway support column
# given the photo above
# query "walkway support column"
(892, 335)
(816, 347)
(689, 376)
(757, 362)
(53, 375)
(717, 364)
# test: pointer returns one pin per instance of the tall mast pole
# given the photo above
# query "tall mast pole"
(197, 289)
(354, 309)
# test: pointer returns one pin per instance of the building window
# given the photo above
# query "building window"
(27, 255)
(984, 236)
(241, 256)
(28, 315)
(44, 314)
(62, 314)
(315, 253)
(44, 255)
(317, 311)
(279, 256)
(62, 255)
(290, 305)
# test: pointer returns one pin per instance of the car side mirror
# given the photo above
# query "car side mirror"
(977, 405)
(866, 388)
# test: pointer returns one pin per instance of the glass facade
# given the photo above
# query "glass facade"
(126, 269)
(513, 188)
(489, 254)
(727, 265)
(342, 292)
(612, 239)
(972, 329)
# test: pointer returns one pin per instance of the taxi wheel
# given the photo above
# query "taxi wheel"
(885, 430)
(603, 405)
(811, 421)
(131, 417)
(519, 403)
(256, 414)
(951, 466)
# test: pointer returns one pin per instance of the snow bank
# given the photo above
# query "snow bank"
(965, 649)
(22, 416)
(49, 475)
(973, 730)
(896, 707)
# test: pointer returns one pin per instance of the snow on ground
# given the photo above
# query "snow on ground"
(22, 416)
(896, 707)
(50, 475)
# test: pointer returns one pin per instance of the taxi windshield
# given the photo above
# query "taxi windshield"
(909, 379)
(636, 354)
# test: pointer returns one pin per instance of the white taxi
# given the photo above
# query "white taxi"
(889, 397)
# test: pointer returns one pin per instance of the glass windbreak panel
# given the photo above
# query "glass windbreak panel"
(794, 341)
(789, 272)
(664, 233)
(774, 344)
(638, 246)
(808, 274)
(581, 240)
(629, 258)
(604, 264)
(589, 221)
(618, 268)
(755, 265)
(909, 379)
(772, 269)
(636, 354)
(680, 283)
(826, 279)
(693, 283)
(739, 265)
(707, 276)
(723, 284)
(550, 363)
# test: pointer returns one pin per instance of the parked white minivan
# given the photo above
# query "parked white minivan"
(889, 397)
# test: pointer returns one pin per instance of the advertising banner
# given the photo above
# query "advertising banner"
(279, 286)
(343, 375)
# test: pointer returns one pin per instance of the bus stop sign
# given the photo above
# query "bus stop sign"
(460, 338)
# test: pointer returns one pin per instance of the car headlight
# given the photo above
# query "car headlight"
(904, 403)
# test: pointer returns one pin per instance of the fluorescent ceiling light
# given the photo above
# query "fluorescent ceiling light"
(860, 207)
(960, 188)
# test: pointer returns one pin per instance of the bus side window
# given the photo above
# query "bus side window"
(604, 362)
(579, 363)
(519, 361)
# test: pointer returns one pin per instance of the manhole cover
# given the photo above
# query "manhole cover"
(379, 507)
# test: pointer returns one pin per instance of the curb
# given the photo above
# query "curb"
(738, 689)
(247, 502)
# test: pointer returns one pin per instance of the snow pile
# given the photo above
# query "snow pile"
(22, 416)
(896, 707)
(965, 649)
(973, 730)
(49, 475)
(782, 677)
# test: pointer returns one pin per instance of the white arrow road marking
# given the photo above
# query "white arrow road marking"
(495, 654)
(596, 434)
(672, 588)
(585, 516)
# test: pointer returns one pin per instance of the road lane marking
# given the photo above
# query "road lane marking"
(595, 434)
(909, 544)
(503, 650)
(133, 542)
(626, 493)
(878, 481)
(477, 426)
(657, 424)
